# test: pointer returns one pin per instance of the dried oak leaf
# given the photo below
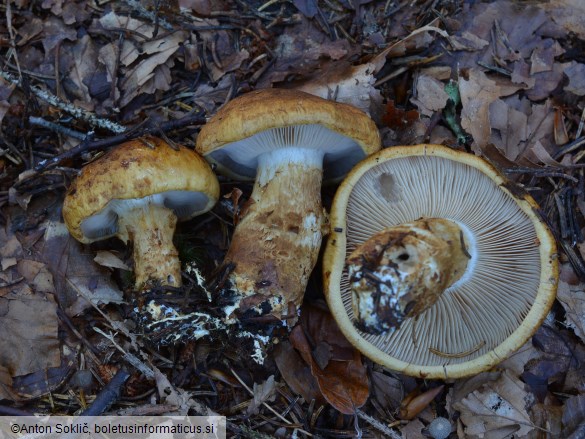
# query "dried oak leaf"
(477, 93)
(108, 259)
(576, 74)
(497, 408)
(397, 118)
(28, 320)
(349, 84)
(572, 298)
(262, 392)
(222, 57)
(430, 95)
(574, 417)
(300, 51)
(518, 360)
(141, 77)
(112, 21)
(181, 400)
(342, 377)
(568, 14)
(509, 128)
(413, 430)
(28, 324)
(387, 390)
(81, 67)
(296, 373)
(548, 416)
(467, 41)
(78, 279)
(6, 90)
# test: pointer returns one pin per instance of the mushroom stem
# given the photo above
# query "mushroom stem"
(150, 227)
(402, 271)
(276, 242)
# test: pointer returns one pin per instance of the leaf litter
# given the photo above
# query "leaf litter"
(518, 69)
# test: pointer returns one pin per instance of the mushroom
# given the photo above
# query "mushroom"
(137, 192)
(444, 265)
(288, 141)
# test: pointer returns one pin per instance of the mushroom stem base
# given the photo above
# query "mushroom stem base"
(276, 242)
(403, 270)
(156, 260)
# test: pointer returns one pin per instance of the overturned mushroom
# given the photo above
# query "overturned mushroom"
(288, 141)
(402, 271)
(137, 192)
(442, 264)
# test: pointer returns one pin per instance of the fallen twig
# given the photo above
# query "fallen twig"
(88, 146)
(108, 395)
(76, 112)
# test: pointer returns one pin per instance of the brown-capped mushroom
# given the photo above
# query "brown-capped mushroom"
(288, 141)
(436, 266)
(137, 192)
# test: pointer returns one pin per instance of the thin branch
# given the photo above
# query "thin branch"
(378, 425)
(88, 146)
(76, 112)
(108, 395)
(39, 121)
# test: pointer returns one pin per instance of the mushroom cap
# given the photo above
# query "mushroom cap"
(489, 313)
(349, 135)
(137, 169)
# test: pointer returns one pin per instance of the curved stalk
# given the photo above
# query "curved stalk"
(402, 271)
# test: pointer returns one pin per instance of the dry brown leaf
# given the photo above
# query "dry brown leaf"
(430, 95)
(222, 57)
(108, 259)
(10, 246)
(498, 407)
(542, 154)
(84, 64)
(296, 373)
(6, 90)
(576, 74)
(28, 324)
(37, 276)
(417, 40)
(137, 80)
(113, 21)
(343, 381)
(516, 362)
(543, 57)
(467, 41)
(509, 128)
(78, 279)
(6, 392)
(415, 402)
(387, 390)
(574, 417)
(548, 417)
(568, 14)
(263, 392)
(29, 30)
(546, 82)
(477, 93)
(572, 297)
(349, 84)
(182, 400)
(300, 51)
(55, 32)
(413, 430)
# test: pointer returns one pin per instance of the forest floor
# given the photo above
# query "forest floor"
(80, 76)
